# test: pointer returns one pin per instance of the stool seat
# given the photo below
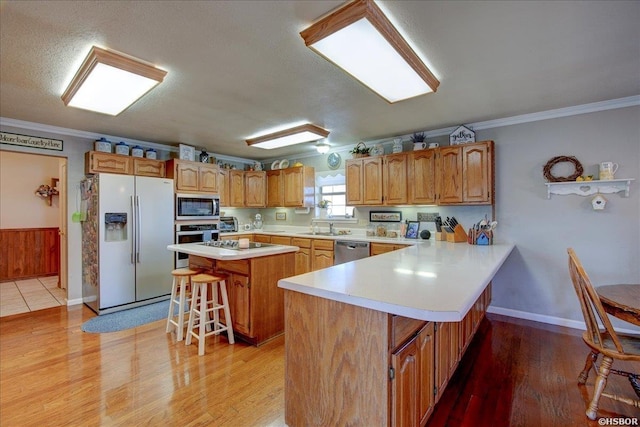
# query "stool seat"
(179, 298)
(203, 304)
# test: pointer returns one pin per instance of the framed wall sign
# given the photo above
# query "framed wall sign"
(31, 141)
(462, 135)
(187, 152)
(385, 216)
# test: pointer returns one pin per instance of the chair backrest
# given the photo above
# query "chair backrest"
(591, 305)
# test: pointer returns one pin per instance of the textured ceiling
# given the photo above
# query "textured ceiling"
(236, 68)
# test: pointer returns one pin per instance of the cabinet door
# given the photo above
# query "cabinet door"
(322, 258)
(255, 195)
(450, 176)
(236, 188)
(104, 162)
(422, 177)
(372, 180)
(275, 189)
(405, 386)
(223, 187)
(208, 178)
(293, 187)
(477, 173)
(426, 398)
(353, 171)
(395, 179)
(380, 248)
(187, 176)
(148, 167)
(239, 303)
(442, 357)
(303, 261)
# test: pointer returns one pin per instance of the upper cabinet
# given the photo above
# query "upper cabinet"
(364, 181)
(236, 188)
(461, 174)
(193, 177)
(291, 187)
(467, 174)
(223, 187)
(255, 193)
(97, 161)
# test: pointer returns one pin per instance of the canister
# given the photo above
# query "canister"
(122, 148)
(137, 151)
(151, 154)
(103, 145)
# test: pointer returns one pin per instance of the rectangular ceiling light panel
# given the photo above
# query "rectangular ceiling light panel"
(361, 40)
(296, 135)
(109, 82)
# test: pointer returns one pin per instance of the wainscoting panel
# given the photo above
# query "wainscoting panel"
(29, 252)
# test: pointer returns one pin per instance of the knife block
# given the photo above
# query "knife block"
(441, 235)
(458, 235)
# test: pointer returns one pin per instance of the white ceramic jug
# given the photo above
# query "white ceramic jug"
(608, 170)
(419, 146)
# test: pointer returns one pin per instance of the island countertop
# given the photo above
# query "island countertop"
(431, 281)
(224, 254)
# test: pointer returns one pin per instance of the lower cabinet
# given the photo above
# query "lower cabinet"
(412, 398)
(303, 256)
(381, 248)
(321, 254)
(239, 303)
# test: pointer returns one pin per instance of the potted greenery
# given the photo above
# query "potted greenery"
(418, 141)
(360, 150)
(324, 208)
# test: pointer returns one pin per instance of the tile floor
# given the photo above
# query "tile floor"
(23, 296)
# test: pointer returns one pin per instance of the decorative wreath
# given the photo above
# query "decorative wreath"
(562, 159)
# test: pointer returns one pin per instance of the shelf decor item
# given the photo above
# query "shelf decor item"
(412, 230)
(462, 135)
(562, 159)
(187, 152)
(360, 150)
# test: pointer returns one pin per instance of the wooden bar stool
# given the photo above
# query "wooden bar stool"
(179, 296)
(202, 305)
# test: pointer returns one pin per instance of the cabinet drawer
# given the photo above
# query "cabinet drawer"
(280, 240)
(148, 167)
(323, 244)
(261, 238)
(402, 328)
(196, 262)
(235, 266)
(301, 243)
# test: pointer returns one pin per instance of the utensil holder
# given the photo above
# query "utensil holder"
(458, 235)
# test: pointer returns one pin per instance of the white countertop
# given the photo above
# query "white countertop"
(432, 281)
(230, 254)
(297, 232)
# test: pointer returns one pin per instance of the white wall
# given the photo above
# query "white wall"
(20, 175)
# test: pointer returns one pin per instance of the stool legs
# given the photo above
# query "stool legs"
(178, 293)
(200, 310)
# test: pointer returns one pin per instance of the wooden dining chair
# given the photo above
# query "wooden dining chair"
(611, 345)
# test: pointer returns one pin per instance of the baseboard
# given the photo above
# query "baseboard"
(551, 320)
(75, 301)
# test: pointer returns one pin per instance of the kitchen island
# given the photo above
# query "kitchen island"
(255, 301)
(375, 341)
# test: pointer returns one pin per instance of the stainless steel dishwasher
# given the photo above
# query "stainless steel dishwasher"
(345, 251)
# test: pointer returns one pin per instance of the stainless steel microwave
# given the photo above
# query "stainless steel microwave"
(197, 206)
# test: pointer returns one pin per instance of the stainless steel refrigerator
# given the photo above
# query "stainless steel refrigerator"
(128, 225)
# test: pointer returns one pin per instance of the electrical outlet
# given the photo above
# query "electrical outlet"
(427, 217)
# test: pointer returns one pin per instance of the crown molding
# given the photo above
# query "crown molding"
(92, 136)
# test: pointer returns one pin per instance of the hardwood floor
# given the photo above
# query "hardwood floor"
(515, 373)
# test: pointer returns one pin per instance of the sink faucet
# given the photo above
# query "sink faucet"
(331, 228)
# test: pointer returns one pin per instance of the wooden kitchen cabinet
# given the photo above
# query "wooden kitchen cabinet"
(303, 256)
(236, 188)
(193, 177)
(261, 238)
(394, 179)
(255, 301)
(275, 189)
(291, 187)
(466, 174)
(382, 248)
(148, 167)
(255, 192)
(421, 177)
(281, 240)
(223, 187)
(321, 254)
(96, 162)
(364, 181)
(412, 398)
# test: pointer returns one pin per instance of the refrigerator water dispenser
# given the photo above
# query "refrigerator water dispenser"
(115, 227)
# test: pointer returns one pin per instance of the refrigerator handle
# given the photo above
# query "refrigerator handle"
(133, 226)
(138, 225)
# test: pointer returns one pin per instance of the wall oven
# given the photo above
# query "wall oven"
(197, 206)
(193, 233)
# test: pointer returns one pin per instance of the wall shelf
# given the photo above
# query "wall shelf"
(589, 188)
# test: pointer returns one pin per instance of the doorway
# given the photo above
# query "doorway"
(33, 222)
